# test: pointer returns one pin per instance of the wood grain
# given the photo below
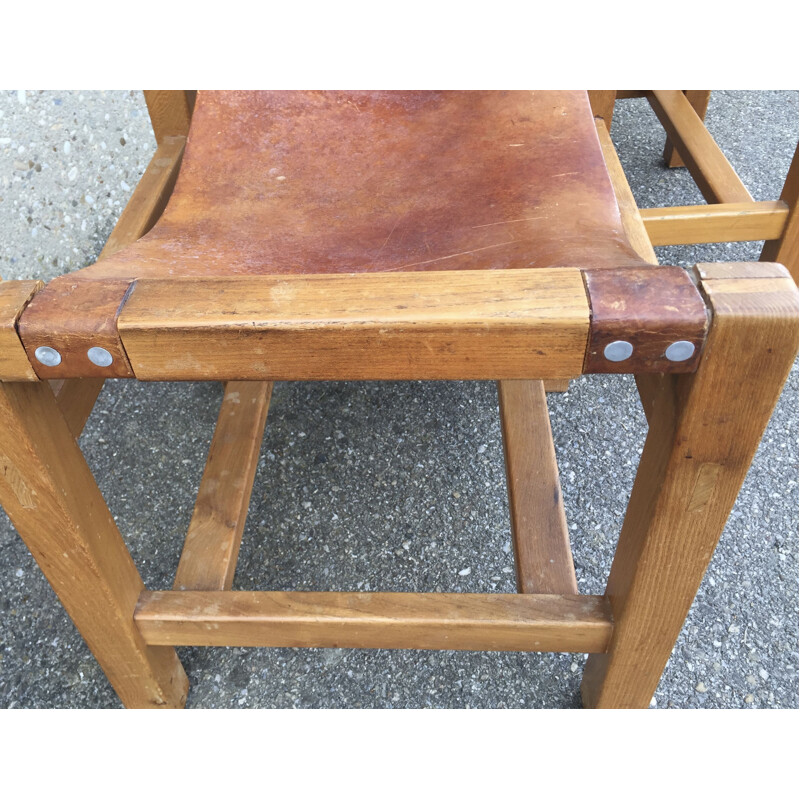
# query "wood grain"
(387, 620)
(50, 496)
(704, 430)
(212, 543)
(632, 224)
(538, 523)
(14, 297)
(741, 269)
(468, 325)
(784, 248)
(698, 99)
(712, 172)
(170, 111)
(76, 398)
(724, 222)
(602, 102)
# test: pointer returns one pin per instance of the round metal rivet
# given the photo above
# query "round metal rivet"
(100, 356)
(48, 356)
(618, 351)
(680, 351)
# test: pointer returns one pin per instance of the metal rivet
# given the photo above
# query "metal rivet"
(100, 356)
(680, 351)
(48, 356)
(618, 351)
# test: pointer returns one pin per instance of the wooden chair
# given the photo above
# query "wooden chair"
(731, 214)
(386, 236)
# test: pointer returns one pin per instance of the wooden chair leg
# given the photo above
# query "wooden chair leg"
(602, 102)
(76, 398)
(53, 501)
(698, 98)
(704, 431)
(785, 250)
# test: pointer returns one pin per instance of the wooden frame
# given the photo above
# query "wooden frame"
(694, 462)
(732, 215)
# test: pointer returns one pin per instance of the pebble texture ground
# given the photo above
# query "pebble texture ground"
(395, 486)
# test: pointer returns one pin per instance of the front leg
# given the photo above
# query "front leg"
(52, 499)
(704, 430)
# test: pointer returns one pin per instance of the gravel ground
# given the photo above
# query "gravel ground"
(394, 486)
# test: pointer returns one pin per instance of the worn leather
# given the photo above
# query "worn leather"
(311, 182)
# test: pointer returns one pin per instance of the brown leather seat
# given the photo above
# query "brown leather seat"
(303, 183)
(312, 182)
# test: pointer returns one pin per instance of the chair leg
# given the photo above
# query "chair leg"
(602, 102)
(53, 501)
(699, 101)
(704, 431)
(785, 250)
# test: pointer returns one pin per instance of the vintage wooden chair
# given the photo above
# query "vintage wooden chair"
(386, 236)
(731, 214)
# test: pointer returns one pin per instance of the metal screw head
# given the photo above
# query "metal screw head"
(618, 351)
(680, 351)
(100, 356)
(48, 356)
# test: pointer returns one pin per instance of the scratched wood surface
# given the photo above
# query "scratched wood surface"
(170, 111)
(441, 621)
(469, 325)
